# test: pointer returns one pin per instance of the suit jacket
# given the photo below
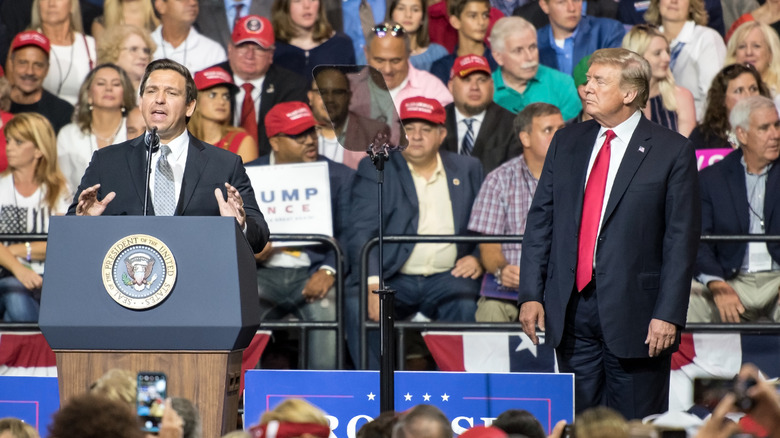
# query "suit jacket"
(121, 168)
(647, 245)
(212, 19)
(340, 177)
(593, 33)
(361, 132)
(280, 85)
(401, 208)
(725, 210)
(496, 142)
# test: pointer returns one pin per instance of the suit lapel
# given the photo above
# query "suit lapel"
(773, 180)
(451, 142)
(638, 148)
(454, 184)
(137, 164)
(407, 184)
(193, 169)
(737, 190)
(482, 143)
(576, 166)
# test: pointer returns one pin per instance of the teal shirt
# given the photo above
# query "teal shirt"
(549, 86)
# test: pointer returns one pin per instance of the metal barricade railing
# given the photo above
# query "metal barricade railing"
(402, 326)
(303, 326)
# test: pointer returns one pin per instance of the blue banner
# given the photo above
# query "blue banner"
(32, 399)
(351, 398)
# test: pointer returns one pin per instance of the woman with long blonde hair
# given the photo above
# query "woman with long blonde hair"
(668, 105)
(32, 189)
(139, 13)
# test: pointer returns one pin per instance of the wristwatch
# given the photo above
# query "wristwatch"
(329, 272)
(497, 274)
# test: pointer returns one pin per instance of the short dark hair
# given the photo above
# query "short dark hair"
(525, 118)
(456, 7)
(379, 427)
(94, 416)
(168, 64)
(519, 422)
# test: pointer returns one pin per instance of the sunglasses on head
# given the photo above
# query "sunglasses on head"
(384, 29)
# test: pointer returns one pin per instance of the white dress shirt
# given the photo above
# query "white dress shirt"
(256, 93)
(462, 128)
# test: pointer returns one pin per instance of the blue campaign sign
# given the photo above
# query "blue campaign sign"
(351, 398)
(32, 399)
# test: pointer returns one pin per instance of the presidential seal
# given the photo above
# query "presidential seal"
(139, 271)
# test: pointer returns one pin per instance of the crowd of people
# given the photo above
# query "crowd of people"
(478, 97)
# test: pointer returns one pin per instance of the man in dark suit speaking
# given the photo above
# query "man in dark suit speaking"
(610, 243)
(188, 175)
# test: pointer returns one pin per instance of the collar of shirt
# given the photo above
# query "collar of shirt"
(685, 35)
(436, 173)
(461, 127)
(618, 146)
(231, 4)
(623, 131)
(764, 171)
(178, 145)
(499, 84)
(552, 38)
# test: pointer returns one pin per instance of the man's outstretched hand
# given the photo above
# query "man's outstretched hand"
(89, 205)
(233, 206)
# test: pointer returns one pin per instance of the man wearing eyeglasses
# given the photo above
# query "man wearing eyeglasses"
(343, 135)
(300, 281)
(388, 51)
(261, 85)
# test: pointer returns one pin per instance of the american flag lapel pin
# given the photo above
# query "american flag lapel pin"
(642, 149)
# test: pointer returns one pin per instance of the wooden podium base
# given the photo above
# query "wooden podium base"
(210, 379)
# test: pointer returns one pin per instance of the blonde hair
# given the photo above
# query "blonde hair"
(696, 12)
(116, 384)
(110, 43)
(112, 15)
(634, 71)
(771, 76)
(601, 422)
(18, 428)
(75, 16)
(295, 410)
(37, 129)
(638, 40)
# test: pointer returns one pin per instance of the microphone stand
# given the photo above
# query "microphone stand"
(153, 143)
(386, 298)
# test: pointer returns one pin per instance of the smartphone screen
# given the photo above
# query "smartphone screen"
(150, 399)
(708, 392)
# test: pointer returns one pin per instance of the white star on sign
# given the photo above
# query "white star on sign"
(371, 396)
(426, 397)
(407, 397)
(526, 344)
(445, 397)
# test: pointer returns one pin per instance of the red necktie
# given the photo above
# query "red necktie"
(248, 115)
(591, 212)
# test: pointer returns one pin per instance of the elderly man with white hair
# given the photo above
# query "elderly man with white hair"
(520, 80)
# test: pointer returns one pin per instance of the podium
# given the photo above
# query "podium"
(98, 266)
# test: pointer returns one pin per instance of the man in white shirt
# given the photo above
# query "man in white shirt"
(177, 39)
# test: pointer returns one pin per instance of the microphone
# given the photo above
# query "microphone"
(153, 144)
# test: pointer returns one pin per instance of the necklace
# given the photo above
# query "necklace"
(109, 140)
(61, 79)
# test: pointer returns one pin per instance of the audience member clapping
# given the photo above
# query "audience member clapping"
(211, 121)
(73, 54)
(5, 116)
(128, 12)
(732, 84)
(293, 418)
(305, 38)
(697, 51)
(669, 105)
(413, 16)
(757, 44)
(99, 120)
(15, 428)
(130, 48)
(31, 190)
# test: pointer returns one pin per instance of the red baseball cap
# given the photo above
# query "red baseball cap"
(468, 64)
(484, 432)
(2, 72)
(31, 38)
(254, 29)
(213, 76)
(290, 118)
(424, 109)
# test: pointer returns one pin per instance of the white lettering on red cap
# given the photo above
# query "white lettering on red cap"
(420, 107)
(298, 114)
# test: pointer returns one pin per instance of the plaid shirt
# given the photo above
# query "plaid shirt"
(502, 204)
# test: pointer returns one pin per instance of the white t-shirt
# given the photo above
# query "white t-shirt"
(197, 52)
(69, 65)
(19, 214)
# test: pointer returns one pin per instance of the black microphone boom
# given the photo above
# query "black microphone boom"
(152, 144)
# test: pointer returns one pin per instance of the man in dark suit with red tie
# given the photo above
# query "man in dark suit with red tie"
(610, 244)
